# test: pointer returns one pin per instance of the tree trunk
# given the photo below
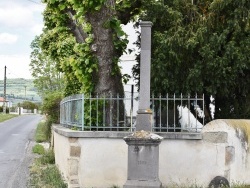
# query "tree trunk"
(107, 82)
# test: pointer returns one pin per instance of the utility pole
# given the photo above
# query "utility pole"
(4, 92)
(25, 92)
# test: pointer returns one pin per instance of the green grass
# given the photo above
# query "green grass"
(39, 149)
(4, 117)
(42, 132)
(43, 172)
(46, 176)
(239, 185)
(47, 158)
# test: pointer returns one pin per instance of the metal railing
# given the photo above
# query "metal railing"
(173, 113)
(105, 113)
(113, 113)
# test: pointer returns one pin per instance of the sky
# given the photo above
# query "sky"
(20, 22)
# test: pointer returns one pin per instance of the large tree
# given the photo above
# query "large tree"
(202, 46)
(86, 39)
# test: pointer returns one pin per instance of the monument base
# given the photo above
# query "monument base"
(143, 160)
(142, 184)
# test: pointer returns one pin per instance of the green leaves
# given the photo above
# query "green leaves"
(73, 38)
(47, 78)
(62, 6)
(202, 47)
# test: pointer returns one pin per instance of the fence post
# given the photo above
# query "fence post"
(82, 112)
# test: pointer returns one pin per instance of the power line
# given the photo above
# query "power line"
(17, 75)
(36, 2)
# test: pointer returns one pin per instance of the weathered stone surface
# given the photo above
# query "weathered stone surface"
(75, 151)
(73, 166)
(143, 160)
(143, 135)
(144, 117)
(74, 180)
(144, 121)
(215, 137)
(73, 140)
(229, 155)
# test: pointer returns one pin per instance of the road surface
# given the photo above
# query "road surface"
(16, 137)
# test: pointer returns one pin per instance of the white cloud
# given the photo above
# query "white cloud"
(17, 15)
(20, 21)
(6, 38)
(17, 66)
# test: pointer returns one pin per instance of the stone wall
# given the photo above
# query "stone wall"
(99, 159)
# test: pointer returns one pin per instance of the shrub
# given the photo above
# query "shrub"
(28, 105)
(51, 106)
(7, 109)
(39, 149)
(48, 157)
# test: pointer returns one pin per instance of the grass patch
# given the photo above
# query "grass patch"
(39, 149)
(46, 176)
(240, 185)
(4, 117)
(43, 131)
(47, 158)
(43, 172)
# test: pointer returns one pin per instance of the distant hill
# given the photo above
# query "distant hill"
(15, 90)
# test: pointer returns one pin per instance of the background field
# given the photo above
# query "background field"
(15, 90)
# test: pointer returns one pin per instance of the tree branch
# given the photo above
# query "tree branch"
(76, 30)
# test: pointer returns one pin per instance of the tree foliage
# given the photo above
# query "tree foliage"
(86, 40)
(28, 105)
(51, 106)
(202, 46)
(47, 78)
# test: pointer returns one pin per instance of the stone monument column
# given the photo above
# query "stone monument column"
(144, 114)
(143, 145)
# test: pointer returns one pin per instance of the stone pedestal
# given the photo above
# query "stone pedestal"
(143, 160)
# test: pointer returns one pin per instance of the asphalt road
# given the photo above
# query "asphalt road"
(16, 141)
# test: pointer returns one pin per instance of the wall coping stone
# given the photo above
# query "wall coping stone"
(119, 134)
